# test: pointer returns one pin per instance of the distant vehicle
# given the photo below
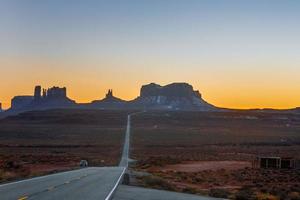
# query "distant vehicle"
(83, 163)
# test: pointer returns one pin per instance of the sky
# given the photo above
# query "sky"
(238, 54)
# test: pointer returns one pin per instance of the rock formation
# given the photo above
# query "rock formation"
(110, 101)
(20, 102)
(174, 90)
(55, 92)
(54, 97)
(37, 93)
(109, 94)
(175, 96)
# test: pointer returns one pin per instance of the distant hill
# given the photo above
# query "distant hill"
(296, 110)
(267, 110)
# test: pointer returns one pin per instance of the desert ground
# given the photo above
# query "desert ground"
(211, 153)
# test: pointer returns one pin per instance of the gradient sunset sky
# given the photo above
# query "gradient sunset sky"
(239, 54)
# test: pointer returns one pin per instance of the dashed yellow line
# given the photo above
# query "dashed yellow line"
(52, 188)
(23, 198)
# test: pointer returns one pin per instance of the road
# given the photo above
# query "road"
(88, 183)
(125, 153)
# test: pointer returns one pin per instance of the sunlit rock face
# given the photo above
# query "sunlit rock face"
(178, 96)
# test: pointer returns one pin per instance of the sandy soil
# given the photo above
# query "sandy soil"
(44, 168)
(192, 166)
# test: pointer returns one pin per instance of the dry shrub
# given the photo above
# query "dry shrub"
(157, 183)
(11, 169)
(294, 196)
(157, 161)
(10, 165)
(266, 196)
(190, 190)
(219, 193)
(245, 194)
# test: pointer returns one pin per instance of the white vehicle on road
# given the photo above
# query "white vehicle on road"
(83, 163)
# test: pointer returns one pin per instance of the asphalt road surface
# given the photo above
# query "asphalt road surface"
(88, 183)
(125, 153)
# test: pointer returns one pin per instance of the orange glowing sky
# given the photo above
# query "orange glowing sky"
(88, 81)
(238, 54)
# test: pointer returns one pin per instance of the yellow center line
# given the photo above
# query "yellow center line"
(23, 198)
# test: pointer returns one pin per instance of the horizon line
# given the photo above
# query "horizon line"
(8, 104)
